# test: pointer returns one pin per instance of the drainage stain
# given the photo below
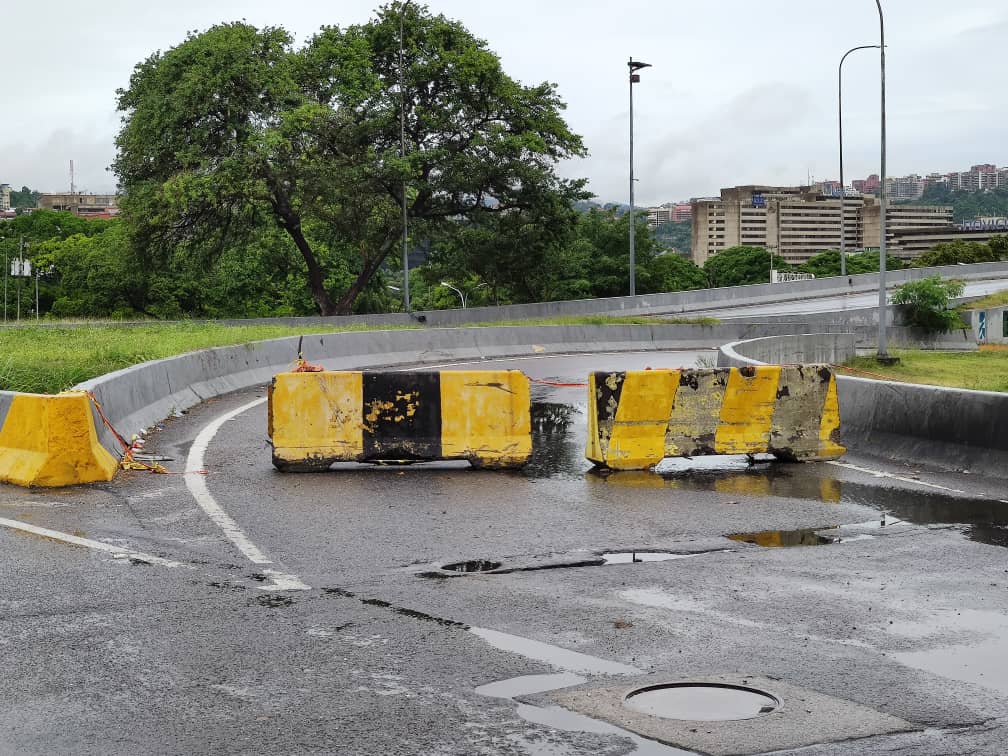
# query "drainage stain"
(473, 565)
(412, 613)
(274, 600)
(701, 702)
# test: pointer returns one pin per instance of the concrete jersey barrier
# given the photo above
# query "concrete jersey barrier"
(318, 418)
(637, 418)
(949, 428)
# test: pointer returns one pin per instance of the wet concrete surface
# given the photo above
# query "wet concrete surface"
(106, 656)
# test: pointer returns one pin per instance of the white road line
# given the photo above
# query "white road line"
(198, 488)
(118, 552)
(901, 478)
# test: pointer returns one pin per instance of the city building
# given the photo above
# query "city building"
(906, 187)
(796, 223)
(5, 197)
(78, 203)
(671, 212)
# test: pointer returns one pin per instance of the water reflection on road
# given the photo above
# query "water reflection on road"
(558, 443)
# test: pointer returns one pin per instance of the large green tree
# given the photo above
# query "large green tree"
(235, 130)
(738, 266)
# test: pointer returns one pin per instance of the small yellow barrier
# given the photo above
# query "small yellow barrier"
(51, 441)
(317, 418)
(637, 418)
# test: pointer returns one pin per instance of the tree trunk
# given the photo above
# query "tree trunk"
(345, 305)
(316, 283)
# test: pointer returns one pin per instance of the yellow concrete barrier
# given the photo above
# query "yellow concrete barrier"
(637, 418)
(51, 441)
(316, 419)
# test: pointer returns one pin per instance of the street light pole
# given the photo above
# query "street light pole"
(457, 291)
(634, 65)
(402, 156)
(883, 353)
(843, 195)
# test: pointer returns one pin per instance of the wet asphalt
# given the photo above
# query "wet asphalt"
(898, 632)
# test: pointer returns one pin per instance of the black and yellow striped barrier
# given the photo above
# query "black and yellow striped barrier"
(317, 418)
(51, 441)
(637, 418)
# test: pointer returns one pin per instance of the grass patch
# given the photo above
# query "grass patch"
(997, 299)
(985, 370)
(50, 359)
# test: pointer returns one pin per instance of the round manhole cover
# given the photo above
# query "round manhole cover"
(704, 702)
(474, 565)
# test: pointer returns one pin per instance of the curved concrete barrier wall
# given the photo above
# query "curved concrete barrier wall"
(138, 397)
(949, 428)
(677, 302)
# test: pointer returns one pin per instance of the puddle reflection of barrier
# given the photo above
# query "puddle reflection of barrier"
(316, 419)
(637, 418)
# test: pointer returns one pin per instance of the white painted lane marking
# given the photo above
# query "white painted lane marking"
(198, 488)
(117, 552)
(901, 478)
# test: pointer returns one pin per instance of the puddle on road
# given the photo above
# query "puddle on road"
(558, 436)
(630, 557)
(983, 662)
(557, 717)
(776, 539)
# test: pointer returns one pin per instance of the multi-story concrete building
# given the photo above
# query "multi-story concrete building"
(671, 212)
(78, 203)
(796, 223)
(905, 187)
(5, 194)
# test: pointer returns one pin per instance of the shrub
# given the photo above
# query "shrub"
(925, 303)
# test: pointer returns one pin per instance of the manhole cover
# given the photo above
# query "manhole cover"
(474, 565)
(704, 702)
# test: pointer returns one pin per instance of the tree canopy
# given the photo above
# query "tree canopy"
(236, 130)
(738, 266)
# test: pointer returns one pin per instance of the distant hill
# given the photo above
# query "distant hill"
(967, 205)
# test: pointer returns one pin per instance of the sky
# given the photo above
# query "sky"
(739, 92)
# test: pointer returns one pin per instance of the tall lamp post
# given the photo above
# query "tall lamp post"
(883, 351)
(402, 156)
(843, 252)
(635, 66)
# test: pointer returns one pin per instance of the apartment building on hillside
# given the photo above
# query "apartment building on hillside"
(796, 223)
(5, 197)
(672, 212)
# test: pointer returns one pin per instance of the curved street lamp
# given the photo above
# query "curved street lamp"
(457, 291)
(843, 195)
(635, 66)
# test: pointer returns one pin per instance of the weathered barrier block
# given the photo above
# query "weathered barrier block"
(51, 441)
(483, 416)
(637, 418)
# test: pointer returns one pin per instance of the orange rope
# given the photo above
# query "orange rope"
(128, 461)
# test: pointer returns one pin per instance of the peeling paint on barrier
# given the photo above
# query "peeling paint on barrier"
(637, 418)
(316, 419)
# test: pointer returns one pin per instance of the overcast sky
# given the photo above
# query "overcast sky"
(740, 91)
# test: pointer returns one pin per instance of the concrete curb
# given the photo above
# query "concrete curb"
(952, 429)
